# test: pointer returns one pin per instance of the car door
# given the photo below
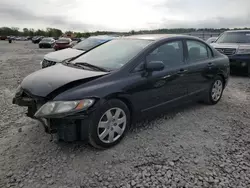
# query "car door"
(200, 66)
(168, 85)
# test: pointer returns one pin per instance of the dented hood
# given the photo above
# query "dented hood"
(43, 82)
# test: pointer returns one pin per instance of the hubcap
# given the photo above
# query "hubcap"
(112, 125)
(217, 90)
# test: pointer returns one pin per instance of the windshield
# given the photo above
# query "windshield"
(234, 37)
(114, 54)
(89, 43)
(46, 39)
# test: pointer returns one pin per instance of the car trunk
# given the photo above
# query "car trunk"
(62, 44)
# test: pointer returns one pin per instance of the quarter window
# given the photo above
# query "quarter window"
(197, 51)
(170, 53)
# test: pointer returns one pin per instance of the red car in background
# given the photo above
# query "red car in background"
(63, 43)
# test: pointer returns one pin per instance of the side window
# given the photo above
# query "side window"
(170, 53)
(197, 51)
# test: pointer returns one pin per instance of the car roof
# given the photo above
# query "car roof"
(156, 36)
(48, 38)
(103, 37)
(237, 31)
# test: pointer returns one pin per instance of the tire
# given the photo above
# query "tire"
(211, 97)
(98, 121)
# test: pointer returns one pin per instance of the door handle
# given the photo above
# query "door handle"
(181, 71)
(167, 76)
(210, 64)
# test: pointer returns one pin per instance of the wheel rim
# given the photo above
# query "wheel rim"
(217, 90)
(112, 125)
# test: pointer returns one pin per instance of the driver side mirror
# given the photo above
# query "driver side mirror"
(154, 66)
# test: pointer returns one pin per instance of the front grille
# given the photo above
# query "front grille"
(226, 51)
(47, 63)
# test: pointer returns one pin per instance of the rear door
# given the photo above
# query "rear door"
(201, 68)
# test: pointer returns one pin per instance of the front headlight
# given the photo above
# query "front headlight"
(243, 51)
(60, 107)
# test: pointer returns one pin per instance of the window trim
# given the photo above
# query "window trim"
(143, 59)
(198, 41)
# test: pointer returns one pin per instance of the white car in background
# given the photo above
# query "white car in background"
(211, 40)
(53, 58)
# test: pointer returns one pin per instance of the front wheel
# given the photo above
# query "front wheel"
(109, 124)
(215, 91)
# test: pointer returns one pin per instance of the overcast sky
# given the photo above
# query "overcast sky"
(124, 15)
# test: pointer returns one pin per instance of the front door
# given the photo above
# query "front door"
(168, 85)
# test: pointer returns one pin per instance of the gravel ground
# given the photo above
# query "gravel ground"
(195, 146)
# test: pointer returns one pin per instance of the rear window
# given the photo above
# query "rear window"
(234, 37)
(46, 39)
(63, 41)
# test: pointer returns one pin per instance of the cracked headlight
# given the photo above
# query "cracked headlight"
(60, 107)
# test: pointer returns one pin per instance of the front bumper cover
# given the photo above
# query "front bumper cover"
(240, 60)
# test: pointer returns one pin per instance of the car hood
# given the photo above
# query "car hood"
(229, 45)
(44, 81)
(61, 55)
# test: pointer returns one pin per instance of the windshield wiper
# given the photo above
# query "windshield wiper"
(94, 67)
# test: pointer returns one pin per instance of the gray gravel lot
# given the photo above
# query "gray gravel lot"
(195, 146)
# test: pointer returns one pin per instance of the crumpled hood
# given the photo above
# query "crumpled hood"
(44, 81)
(61, 55)
(229, 45)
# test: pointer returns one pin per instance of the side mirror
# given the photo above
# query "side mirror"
(154, 66)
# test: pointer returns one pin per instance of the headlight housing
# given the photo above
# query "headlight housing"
(245, 50)
(61, 107)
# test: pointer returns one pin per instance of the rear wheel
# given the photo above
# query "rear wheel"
(215, 91)
(109, 124)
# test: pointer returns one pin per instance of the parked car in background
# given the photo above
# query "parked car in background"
(76, 40)
(211, 40)
(47, 43)
(3, 38)
(236, 45)
(37, 39)
(63, 43)
(97, 95)
(53, 58)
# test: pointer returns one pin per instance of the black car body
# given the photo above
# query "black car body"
(111, 85)
(36, 39)
(236, 45)
(47, 43)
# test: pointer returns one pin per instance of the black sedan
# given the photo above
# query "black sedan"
(97, 95)
(36, 40)
(47, 43)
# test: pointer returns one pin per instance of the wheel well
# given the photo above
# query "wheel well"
(129, 105)
(223, 79)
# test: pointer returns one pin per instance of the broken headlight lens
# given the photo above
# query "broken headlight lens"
(59, 107)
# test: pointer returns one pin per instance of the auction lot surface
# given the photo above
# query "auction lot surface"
(196, 146)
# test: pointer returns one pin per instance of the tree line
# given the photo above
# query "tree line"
(54, 32)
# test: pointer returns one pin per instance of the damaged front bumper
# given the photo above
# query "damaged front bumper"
(68, 127)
